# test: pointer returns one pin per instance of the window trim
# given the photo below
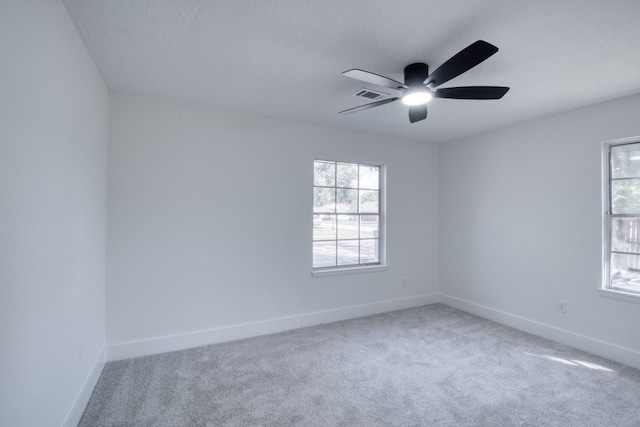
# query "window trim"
(343, 271)
(605, 288)
(381, 265)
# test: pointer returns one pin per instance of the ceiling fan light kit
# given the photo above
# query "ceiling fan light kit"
(419, 87)
(416, 97)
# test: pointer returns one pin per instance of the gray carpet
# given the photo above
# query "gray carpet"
(426, 366)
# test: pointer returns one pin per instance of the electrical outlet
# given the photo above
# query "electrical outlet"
(562, 306)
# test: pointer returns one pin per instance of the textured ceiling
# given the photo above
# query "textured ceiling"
(283, 58)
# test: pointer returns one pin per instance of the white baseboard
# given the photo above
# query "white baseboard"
(600, 348)
(165, 344)
(76, 411)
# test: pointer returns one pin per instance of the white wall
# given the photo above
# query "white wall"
(53, 151)
(520, 227)
(209, 221)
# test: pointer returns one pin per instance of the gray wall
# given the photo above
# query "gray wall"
(520, 227)
(53, 152)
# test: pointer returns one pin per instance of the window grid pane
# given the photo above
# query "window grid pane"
(369, 177)
(324, 254)
(625, 272)
(324, 174)
(346, 226)
(625, 196)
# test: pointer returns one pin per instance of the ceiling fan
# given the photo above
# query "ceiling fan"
(419, 86)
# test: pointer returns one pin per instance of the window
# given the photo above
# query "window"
(347, 215)
(622, 217)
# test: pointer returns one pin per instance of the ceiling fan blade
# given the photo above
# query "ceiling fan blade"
(462, 61)
(367, 106)
(417, 113)
(375, 79)
(471, 92)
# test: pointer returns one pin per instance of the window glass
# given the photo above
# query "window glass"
(625, 161)
(625, 195)
(324, 200)
(346, 214)
(324, 174)
(347, 200)
(369, 177)
(347, 175)
(622, 218)
(369, 201)
(324, 254)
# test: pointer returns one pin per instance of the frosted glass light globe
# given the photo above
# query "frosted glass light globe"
(416, 97)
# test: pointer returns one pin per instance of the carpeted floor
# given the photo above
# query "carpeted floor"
(426, 366)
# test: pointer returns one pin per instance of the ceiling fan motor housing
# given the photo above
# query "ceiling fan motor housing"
(415, 74)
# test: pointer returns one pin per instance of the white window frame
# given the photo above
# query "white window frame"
(381, 265)
(606, 289)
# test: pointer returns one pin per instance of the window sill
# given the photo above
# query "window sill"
(620, 295)
(349, 270)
